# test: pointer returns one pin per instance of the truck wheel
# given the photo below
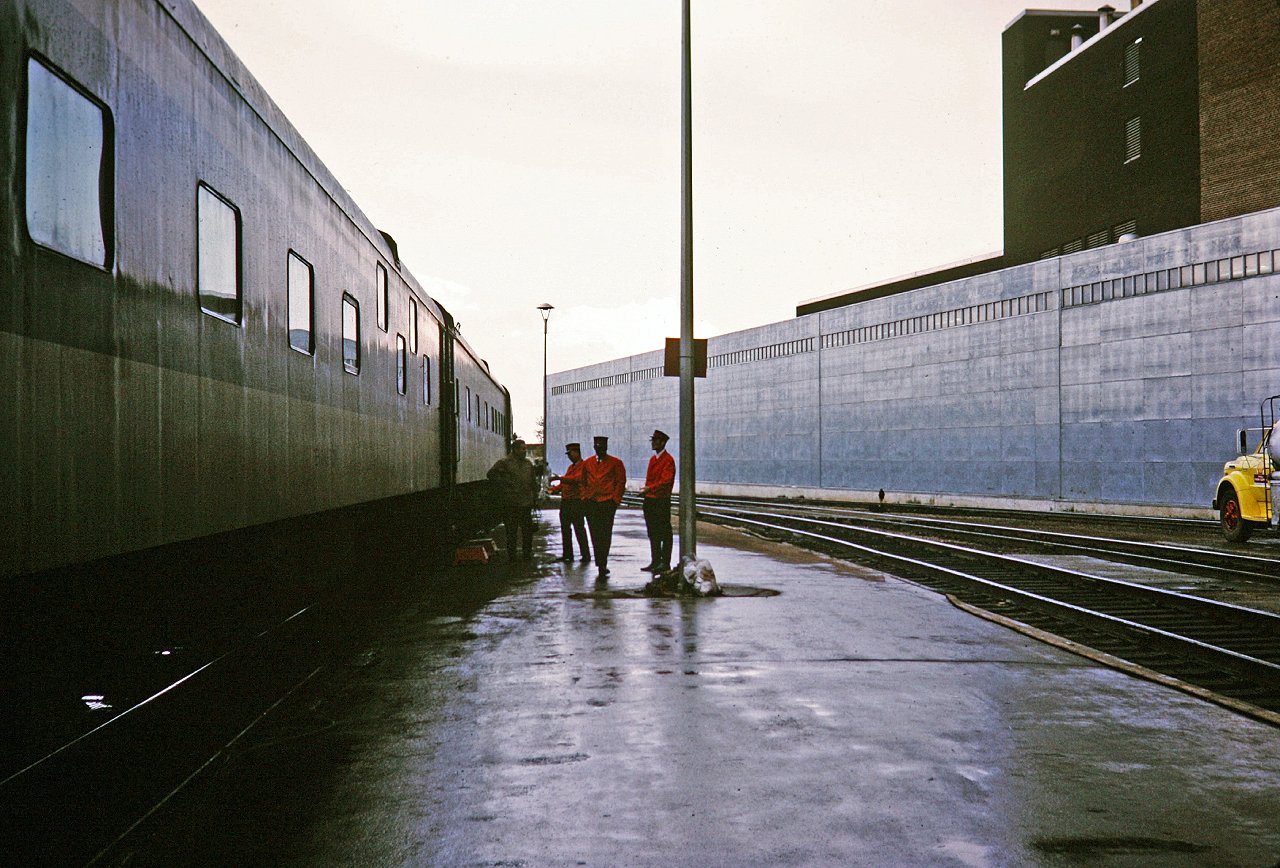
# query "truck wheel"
(1234, 528)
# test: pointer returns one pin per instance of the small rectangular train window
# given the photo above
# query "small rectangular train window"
(69, 161)
(301, 294)
(413, 325)
(402, 366)
(217, 255)
(426, 379)
(380, 290)
(350, 334)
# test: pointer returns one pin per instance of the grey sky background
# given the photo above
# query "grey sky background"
(527, 151)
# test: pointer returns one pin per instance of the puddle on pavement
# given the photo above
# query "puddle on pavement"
(1093, 848)
(728, 591)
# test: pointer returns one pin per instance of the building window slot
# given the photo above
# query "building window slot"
(1132, 69)
(1132, 139)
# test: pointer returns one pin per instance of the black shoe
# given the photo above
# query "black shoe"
(648, 568)
(568, 559)
(604, 571)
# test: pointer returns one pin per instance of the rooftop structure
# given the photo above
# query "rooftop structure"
(1124, 124)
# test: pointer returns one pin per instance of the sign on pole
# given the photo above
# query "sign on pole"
(671, 358)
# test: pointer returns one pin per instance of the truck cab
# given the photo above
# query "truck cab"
(1245, 497)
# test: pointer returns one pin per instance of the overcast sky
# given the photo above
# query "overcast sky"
(528, 151)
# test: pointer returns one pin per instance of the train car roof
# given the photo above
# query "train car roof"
(206, 38)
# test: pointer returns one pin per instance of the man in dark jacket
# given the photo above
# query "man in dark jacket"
(515, 487)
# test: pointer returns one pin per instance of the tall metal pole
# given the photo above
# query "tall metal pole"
(545, 309)
(688, 481)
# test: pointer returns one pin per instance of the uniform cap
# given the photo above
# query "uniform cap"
(604, 440)
(661, 435)
(577, 446)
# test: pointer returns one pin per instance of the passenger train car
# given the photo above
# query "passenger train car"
(199, 330)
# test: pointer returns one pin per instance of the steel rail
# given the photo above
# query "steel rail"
(1240, 646)
(865, 509)
(1196, 561)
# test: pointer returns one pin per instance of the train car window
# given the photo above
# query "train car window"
(426, 379)
(301, 297)
(350, 334)
(468, 403)
(488, 422)
(402, 366)
(413, 325)
(380, 290)
(217, 255)
(69, 166)
(457, 406)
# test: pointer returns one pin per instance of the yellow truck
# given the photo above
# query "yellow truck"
(1245, 498)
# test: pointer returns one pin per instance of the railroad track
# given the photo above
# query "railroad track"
(1228, 653)
(1171, 557)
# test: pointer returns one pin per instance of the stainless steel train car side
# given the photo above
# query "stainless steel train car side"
(482, 409)
(162, 226)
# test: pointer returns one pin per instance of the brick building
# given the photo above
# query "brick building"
(1239, 51)
(1128, 124)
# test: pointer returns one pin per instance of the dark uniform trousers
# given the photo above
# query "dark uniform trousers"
(518, 521)
(657, 521)
(600, 521)
(573, 516)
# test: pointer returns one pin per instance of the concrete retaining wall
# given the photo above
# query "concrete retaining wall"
(1111, 378)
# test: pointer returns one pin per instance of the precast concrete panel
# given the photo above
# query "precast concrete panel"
(1109, 376)
(1223, 238)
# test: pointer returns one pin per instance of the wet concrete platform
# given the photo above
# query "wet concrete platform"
(855, 719)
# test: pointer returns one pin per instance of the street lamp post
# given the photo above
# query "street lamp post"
(545, 309)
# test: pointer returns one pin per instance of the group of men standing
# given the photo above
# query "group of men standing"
(590, 492)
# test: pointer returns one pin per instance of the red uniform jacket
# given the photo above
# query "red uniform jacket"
(603, 481)
(661, 477)
(570, 485)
